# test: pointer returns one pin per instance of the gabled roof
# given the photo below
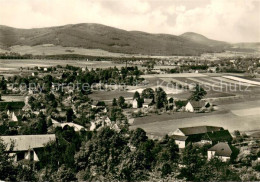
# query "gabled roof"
(199, 130)
(148, 101)
(221, 149)
(179, 137)
(222, 135)
(26, 142)
(198, 104)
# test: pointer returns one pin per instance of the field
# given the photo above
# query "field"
(232, 119)
(10, 67)
(237, 102)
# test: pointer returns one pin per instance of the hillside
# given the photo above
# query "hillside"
(96, 36)
(200, 39)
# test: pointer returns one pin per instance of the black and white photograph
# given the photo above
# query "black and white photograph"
(129, 90)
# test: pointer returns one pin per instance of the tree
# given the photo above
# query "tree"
(42, 125)
(69, 114)
(198, 93)
(7, 170)
(0, 96)
(216, 170)
(114, 102)
(160, 98)
(64, 174)
(49, 122)
(136, 95)
(148, 93)
(121, 102)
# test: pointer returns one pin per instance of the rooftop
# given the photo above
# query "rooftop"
(26, 142)
(199, 129)
(198, 104)
(221, 149)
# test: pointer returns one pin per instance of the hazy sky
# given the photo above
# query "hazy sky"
(228, 20)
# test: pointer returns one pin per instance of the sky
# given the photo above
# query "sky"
(227, 20)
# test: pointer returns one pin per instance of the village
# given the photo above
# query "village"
(44, 109)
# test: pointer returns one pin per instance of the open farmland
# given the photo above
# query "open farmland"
(237, 117)
(238, 105)
(216, 85)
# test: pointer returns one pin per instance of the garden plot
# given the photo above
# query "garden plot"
(168, 90)
(205, 83)
(175, 75)
(242, 80)
(169, 80)
(230, 82)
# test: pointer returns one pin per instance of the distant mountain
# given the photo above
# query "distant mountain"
(248, 45)
(200, 39)
(96, 36)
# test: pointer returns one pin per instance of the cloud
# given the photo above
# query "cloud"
(229, 20)
(233, 20)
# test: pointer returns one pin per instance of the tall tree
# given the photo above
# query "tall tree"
(69, 115)
(198, 93)
(160, 98)
(114, 102)
(136, 95)
(121, 102)
(42, 124)
(148, 93)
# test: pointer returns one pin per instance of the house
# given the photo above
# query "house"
(201, 134)
(196, 106)
(75, 126)
(135, 104)
(12, 116)
(147, 103)
(217, 136)
(212, 69)
(98, 104)
(25, 146)
(221, 150)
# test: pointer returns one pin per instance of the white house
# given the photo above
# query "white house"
(183, 136)
(14, 117)
(221, 151)
(25, 145)
(196, 106)
(135, 104)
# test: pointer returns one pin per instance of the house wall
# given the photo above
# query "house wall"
(224, 159)
(135, 104)
(211, 154)
(180, 143)
(206, 142)
(189, 107)
(145, 106)
(27, 156)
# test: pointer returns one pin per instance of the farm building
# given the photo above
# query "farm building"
(200, 134)
(25, 145)
(147, 103)
(196, 106)
(221, 150)
(135, 104)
